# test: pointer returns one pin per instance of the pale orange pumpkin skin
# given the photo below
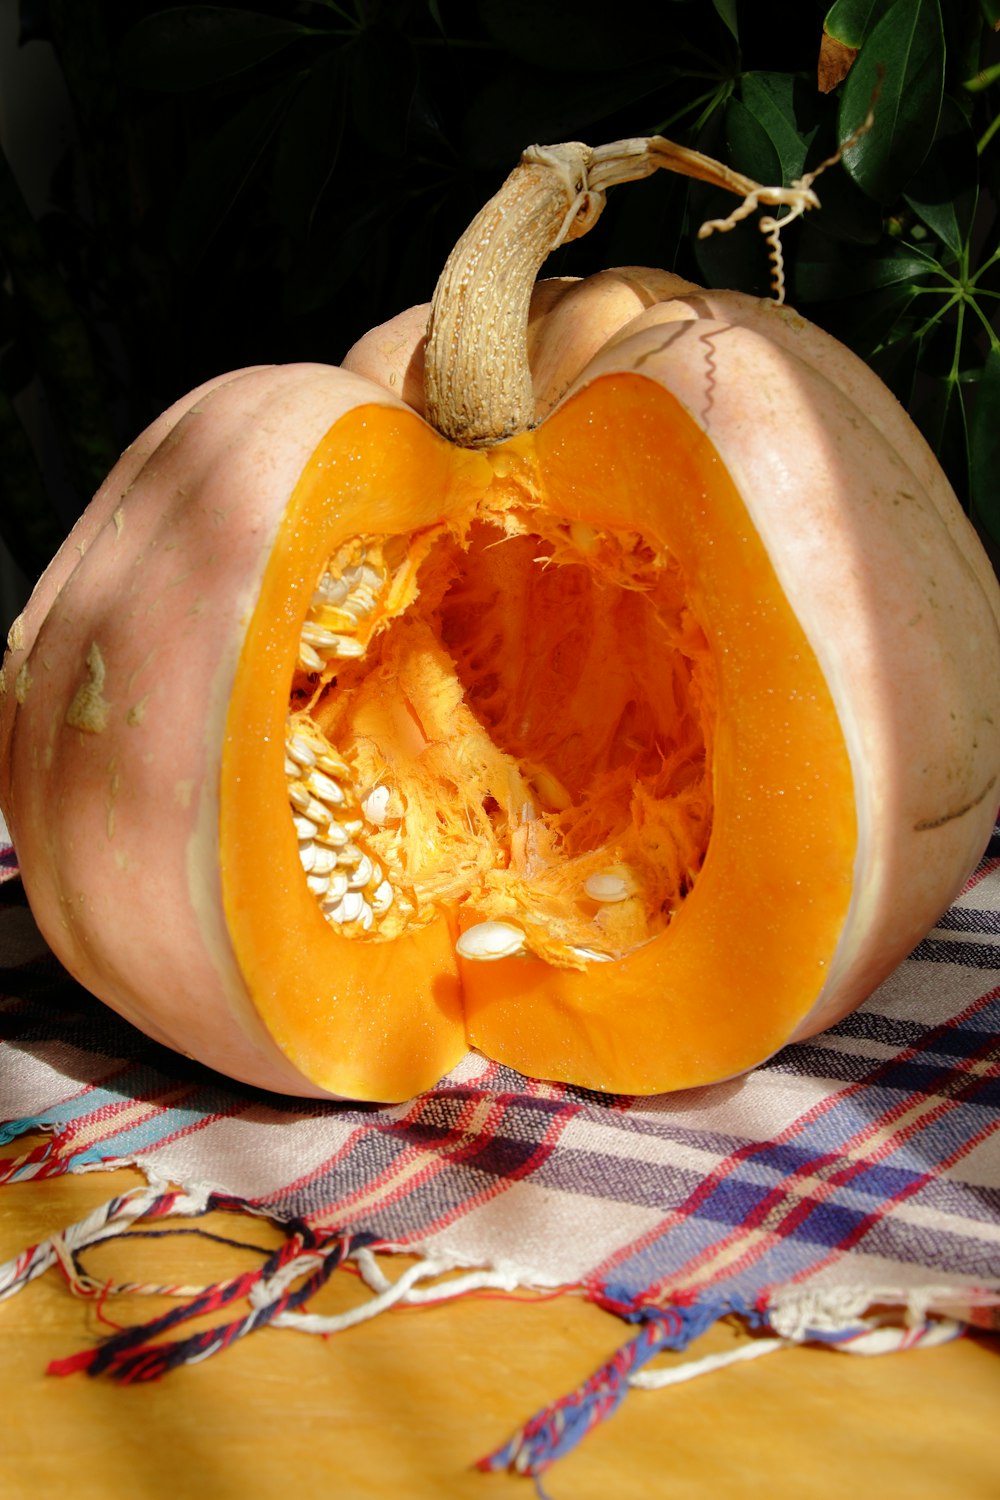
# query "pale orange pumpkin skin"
(117, 828)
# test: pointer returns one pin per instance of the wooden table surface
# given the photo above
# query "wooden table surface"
(402, 1406)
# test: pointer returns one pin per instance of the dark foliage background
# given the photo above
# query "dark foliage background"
(264, 182)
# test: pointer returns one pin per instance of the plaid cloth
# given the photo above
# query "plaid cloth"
(847, 1191)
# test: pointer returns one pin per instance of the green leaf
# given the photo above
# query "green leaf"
(984, 448)
(903, 59)
(737, 259)
(826, 271)
(939, 411)
(220, 173)
(991, 13)
(335, 253)
(384, 72)
(943, 192)
(194, 45)
(850, 21)
(774, 100)
(524, 105)
(308, 145)
(567, 35)
(726, 10)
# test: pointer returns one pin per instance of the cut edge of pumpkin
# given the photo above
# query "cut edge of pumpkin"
(384, 1020)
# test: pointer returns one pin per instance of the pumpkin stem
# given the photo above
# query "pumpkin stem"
(477, 377)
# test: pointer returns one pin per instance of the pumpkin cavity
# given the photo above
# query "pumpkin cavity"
(508, 717)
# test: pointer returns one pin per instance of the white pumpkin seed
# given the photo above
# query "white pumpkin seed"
(324, 641)
(375, 804)
(324, 860)
(382, 898)
(348, 908)
(325, 788)
(344, 646)
(487, 941)
(334, 834)
(300, 751)
(361, 874)
(309, 660)
(608, 886)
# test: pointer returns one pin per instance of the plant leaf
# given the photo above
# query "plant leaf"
(308, 145)
(984, 448)
(524, 105)
(850, 21)
(194, 45)
(774, 100)
(384, 73)
(903, 60)
(943, 192)
(827, 271)
(571, 35)
(220, 173)
(726, 10)
(737, 259)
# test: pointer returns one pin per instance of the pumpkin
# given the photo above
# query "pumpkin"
(624, 727)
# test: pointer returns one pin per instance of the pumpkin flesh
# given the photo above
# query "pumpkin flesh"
(589, 663)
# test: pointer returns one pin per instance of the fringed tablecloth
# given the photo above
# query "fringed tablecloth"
(846, 1192)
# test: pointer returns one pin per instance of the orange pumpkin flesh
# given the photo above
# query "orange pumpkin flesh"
(693, 683)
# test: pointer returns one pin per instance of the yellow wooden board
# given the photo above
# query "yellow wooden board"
(402, 1406)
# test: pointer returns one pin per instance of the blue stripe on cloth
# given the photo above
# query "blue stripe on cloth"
(969, 919)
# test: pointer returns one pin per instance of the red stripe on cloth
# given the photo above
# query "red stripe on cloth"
(788, 1209)
(475, 1127)
(89, 1131)
(543, 1150)
(399, 1181)
(746, 1152)
(988, 867)
(882, 1211)
(326, 1166)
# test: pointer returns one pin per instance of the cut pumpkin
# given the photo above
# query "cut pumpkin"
(558, 681)
(624, 748)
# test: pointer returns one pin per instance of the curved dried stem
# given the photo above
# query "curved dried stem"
(478, 382)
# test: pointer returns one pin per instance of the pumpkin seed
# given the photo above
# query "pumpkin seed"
(325, 788)
(361, 874)
(331, 590)
(382, 898)
(375, 804)
(348, 909)
(608, 886)
(300, 751)
(344, 646)
(487, 941)
(334, 834)
(309, 660)
(336, 891)
(324, 640)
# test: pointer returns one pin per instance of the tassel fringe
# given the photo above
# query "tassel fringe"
(277, 1293)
